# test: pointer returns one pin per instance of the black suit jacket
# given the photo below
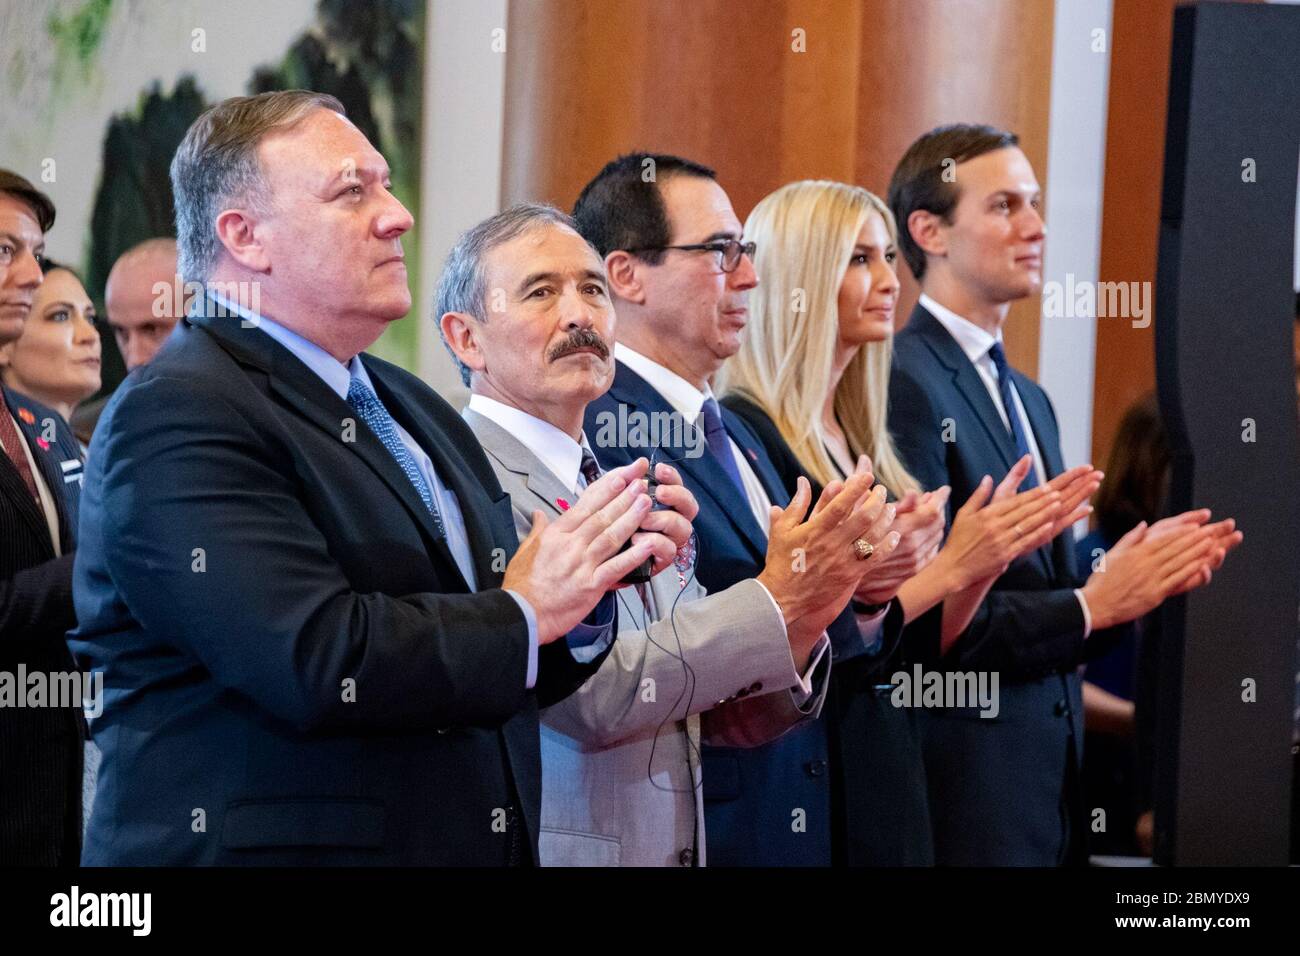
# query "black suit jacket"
(296, 670)
(1002, 790)
(40, 747)
(882, 813)
(772, 805)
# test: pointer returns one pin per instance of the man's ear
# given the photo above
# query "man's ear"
(237, 230)
(926, 229)
(460, 331)
(625, 276)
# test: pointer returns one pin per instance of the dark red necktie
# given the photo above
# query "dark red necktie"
(13, 445)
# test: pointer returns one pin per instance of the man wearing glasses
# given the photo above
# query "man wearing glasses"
(679, 275)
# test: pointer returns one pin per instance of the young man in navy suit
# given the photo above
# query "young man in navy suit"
(323, 642)
(1006, 791)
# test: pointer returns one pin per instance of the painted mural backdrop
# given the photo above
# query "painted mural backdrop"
(97, 94)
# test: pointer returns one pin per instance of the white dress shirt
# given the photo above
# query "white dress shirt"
(976, 342)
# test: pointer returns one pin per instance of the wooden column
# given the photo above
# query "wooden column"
(724, 83)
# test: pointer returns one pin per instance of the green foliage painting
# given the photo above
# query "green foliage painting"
(369, 55)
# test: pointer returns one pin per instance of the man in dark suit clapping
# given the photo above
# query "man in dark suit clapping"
(323, 641)
(1006, 791)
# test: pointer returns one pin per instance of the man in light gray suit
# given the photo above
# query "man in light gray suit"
(526, 315)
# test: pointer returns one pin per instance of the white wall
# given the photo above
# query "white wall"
(464, 107)
(1076, 158)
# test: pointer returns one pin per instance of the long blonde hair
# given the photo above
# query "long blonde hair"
(806, 232)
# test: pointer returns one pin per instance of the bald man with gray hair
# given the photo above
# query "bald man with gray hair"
(140, 298)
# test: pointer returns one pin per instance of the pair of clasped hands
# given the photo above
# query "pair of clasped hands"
(564, 566)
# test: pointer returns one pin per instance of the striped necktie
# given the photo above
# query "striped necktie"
(13, 445)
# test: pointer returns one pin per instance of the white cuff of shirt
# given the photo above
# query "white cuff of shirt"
(802, 692)
(530, 678)
(1087, 615)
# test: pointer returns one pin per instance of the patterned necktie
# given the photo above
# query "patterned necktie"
(715, 434)
(376, 417)
(590, 470)
(13, 445)
(1008, 403)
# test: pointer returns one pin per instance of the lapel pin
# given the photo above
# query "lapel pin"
(561, 504)
(26, 415)
(45, 446)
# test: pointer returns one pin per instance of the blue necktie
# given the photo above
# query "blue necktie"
(1008, 403)
(376, 417)
(715, 434)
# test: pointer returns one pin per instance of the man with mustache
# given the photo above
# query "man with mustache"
(525, 311)
(40, 747)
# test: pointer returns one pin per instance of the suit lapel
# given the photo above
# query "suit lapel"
(1058, 555)
(53, 476)
(966, 380)
(308, 395)
(11, 482)
(706, 473)
(751, 448)
(545, 488)
(453, 472)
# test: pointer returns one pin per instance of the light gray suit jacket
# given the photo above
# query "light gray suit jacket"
(621, 781)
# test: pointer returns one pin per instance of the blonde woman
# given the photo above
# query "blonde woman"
(811, 378)
(814, 369)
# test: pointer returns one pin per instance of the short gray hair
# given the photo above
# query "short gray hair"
(462, 287)
(216, 165)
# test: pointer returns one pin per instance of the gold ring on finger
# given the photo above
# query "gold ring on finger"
(863, 549)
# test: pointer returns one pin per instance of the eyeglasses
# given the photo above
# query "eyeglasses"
(729, 251)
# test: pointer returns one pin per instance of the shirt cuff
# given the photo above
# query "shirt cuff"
(531, 617)
(1087, 615)
(872, 628)
(587, 641)
(802, 692)
(779, 613)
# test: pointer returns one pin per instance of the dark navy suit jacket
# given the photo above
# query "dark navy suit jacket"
(882, 813)
(296, 671)
(1003, 790)
(770, 805)
(40, 747)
